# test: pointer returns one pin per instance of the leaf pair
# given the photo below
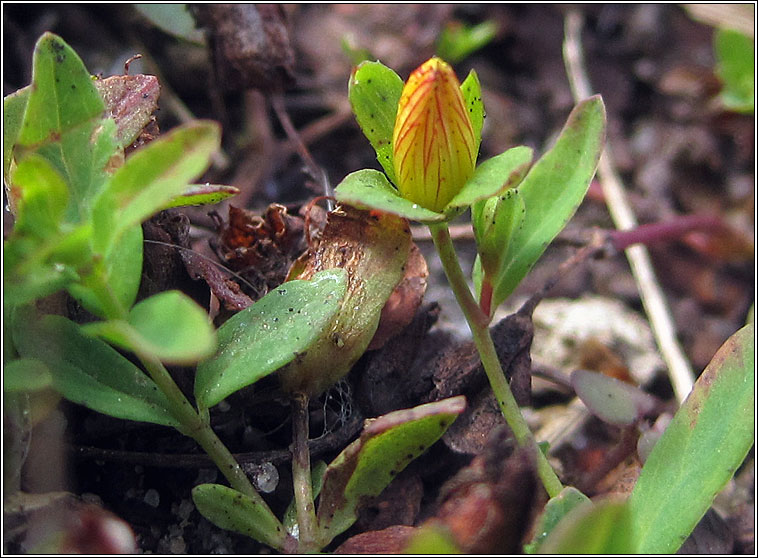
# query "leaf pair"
(514, 229)
(374, 93)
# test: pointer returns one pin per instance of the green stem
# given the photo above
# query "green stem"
(301, 475)
(478, 323)
(182, 410)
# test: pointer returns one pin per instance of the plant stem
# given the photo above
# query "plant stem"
(478, 324)
(301, 474)
(182, 410)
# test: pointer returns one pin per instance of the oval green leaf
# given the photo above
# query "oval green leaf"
(494, 176)
(234, 511)
(553, 190)
(152, 177)
(169, 326)
(385, 447)
(269, 334)
(87, 371)
(374, 92)
(63, 121)
(203, 194)
(702, 447)
(370, 189)
(601, 528)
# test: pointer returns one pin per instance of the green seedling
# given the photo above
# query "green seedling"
(79, 197)
(426, 135)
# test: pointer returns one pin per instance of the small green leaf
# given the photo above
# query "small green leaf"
(496, 222)
(385, 447)
(374, 92)
(121, 270)
(26, 374)
(555, 510)
(593, 528)
(700, 450)
(87, 371)
(370, 189)
(168, 325)
(553, 190)
(472, 97)
(153, 176)
(64, 123)
(268, 334)
(234, 511)
(178, 329)
(458, 40)
(43, 197)
(494, 176)
(735, 66)
(611, 400)
(203, 194)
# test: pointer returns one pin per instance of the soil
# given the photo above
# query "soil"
(677, 151)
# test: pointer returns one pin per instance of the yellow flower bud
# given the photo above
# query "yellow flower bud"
(433, 142)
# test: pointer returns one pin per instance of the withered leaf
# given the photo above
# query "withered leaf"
(373, 248)
(131, 102)
(260, 248)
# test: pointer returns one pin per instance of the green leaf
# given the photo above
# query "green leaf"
(64, 123)
(700, 450)
(555, 510)
(472, 97)
(26, 374)
(553, 190)
(374, 92)
(179, 331)
(494, 176)
(43, 198)
(268, 334)
(203, 194)
(169, 326)
(496, 222)
(370, 189)
(385, 447)
(153, 176)
(87, 371)
(593, 528)
(735, 66)
(234, 511)
(174, 19)
(14, 106)
(121, 271)
(458, 40)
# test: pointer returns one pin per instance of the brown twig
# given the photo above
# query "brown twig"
(679, 369)
(316, 172)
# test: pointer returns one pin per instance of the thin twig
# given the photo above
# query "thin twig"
(317, 173)
(679, 369)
